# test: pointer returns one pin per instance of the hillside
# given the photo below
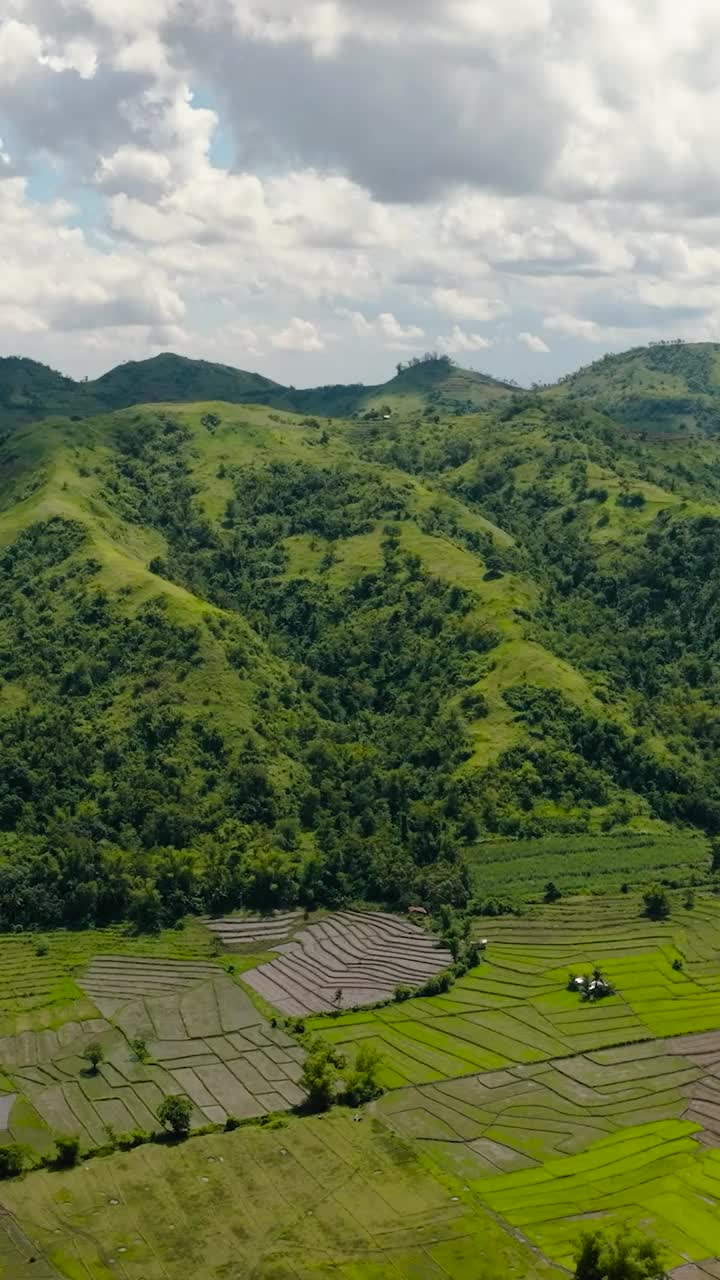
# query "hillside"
(30, 391)
(667, 388)
(248, 657)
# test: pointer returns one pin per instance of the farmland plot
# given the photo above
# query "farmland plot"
(348, 958)
(206, 1041)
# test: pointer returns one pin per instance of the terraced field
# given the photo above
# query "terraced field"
(347, 958)
(521, 868)
(39, 975)
(507, 1096)
(620, 1124)
(242, 931)
(514, 1008)
(204, 1039)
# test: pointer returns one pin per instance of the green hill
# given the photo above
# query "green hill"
(30, 391)
(251, 657)
(666, 388)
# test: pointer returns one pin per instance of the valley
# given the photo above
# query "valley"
(277, 666)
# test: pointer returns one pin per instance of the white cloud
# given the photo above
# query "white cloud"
(395, 334)
(300, 335)
(533, 342)
(361, 327)
(575, 327)
(388, 170)
(459, 341)
(132, 168)
(468, 306)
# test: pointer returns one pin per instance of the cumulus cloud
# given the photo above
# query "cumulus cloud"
(459, 341)
(533, 342)
(300, 335)
(396, 334)
(279, 169)
(468, 306)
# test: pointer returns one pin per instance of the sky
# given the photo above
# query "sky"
(318, 189)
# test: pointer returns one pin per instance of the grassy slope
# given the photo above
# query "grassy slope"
(55, 468)
(52, 469)
(674, 389)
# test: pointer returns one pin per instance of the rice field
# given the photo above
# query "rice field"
(509, 1100)
(345, 959)
(621, 1127)
(319, 1197)
(242, 930)
(204, 1039)
(514, 1008)
(40, 974)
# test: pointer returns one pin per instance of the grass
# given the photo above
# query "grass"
(315, 1197)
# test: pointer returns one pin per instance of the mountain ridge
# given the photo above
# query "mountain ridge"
(30, 390)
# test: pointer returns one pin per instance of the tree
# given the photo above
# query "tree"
(657, 903)
(625, 1255)
(320, 1073)
(67, 1151)
(140, 1049)
(94, 1054)
(12, 1160)
(552, 893)
(361, 1082)
(175, 1113)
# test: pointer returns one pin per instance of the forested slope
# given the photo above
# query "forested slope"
(252, 658)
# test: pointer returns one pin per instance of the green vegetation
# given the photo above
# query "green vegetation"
(12, 1160)
(322, 673)
(94, 1054)
(516, 1008)
(625, 1256)
(320, 1075)
(457, 650)
(175, 1113)
(67, 1151)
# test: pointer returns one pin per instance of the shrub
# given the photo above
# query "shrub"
(140, 1049)
(657, 903)
(12, 1160)
(361, 1082)
(626, 1255)
(403, 992)
(67, 1151)
(175, 1113)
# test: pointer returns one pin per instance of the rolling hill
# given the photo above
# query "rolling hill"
(667, 388)
(254, 657)
(30, 391)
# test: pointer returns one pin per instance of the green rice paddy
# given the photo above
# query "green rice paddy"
(515, 1008)
(515, 1114)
